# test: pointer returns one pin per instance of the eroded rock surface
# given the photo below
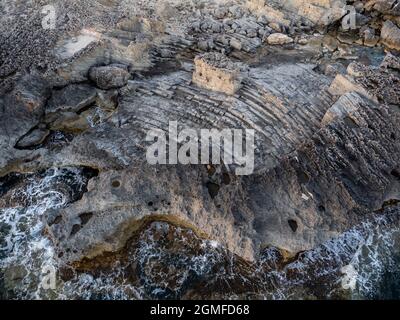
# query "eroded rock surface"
(323, 100)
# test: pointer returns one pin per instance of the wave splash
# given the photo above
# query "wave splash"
(362, 263)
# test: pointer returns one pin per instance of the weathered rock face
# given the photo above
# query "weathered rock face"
(385, 6)
(216, 72)
(346, 105)
(21, 111)
(324, 106)
(356, 118)
(109, 77)
(391, 35)
(33, 138)
(318, 12)
(279, 38)
(189, 267)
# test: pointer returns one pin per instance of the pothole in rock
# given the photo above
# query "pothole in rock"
(165, 261)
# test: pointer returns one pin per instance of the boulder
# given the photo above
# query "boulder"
(370, 39)
(109, 77)
(384, 6)
(73, 98)
(279, 39)
(23, 108)
(343, 84)
(70, 122)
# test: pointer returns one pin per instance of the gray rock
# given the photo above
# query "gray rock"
(324, 159)
(370, 39)
(220, 12)
(13, 276)
(236, 44)
(344, 107)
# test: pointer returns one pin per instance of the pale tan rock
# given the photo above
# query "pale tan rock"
(354, 69)
(279, 39)
(318, 12)
(216, 72)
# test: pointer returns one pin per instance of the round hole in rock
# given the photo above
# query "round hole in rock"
(116, 184)
(75, 229)
(150, 204)
(321, 208)
(226, 179)
(293, 225)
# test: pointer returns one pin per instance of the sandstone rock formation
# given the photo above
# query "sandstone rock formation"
(76, 104)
